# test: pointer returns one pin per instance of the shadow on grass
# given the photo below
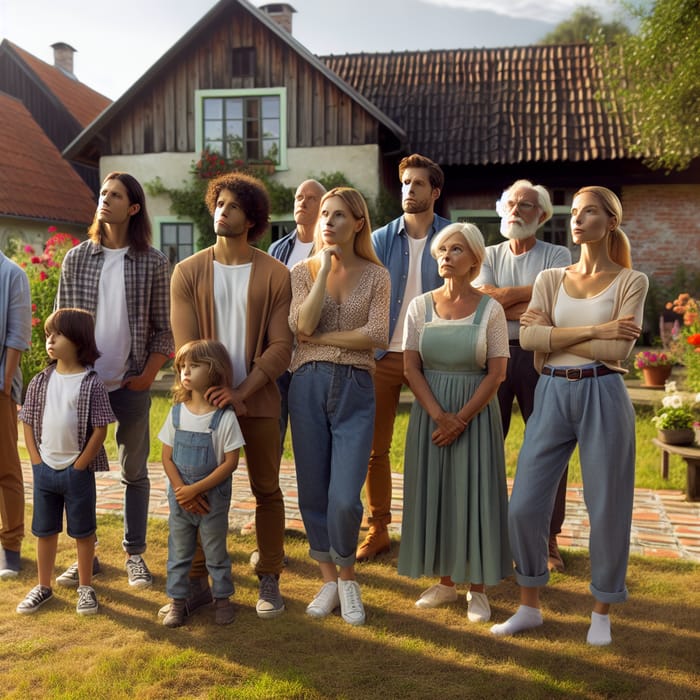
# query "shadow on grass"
(402, 652)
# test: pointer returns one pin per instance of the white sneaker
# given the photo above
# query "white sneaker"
(351, 608)
(478, 608)
(325, 602)
(437, 595)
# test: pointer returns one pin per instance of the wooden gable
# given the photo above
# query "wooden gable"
(158, 113)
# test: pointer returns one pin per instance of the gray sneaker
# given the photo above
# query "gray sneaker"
(87, 601)
(10, 563)
(70, 579)
(139, 575)
(34, 600)
(270, 603)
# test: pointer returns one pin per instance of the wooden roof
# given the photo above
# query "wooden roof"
(81, 101)
(36, 182)
(491, 106)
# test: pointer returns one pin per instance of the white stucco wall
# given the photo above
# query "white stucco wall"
(360, 164)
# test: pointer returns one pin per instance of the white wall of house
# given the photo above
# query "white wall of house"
(360, 164)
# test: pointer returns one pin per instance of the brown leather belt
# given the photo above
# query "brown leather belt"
(573, 374)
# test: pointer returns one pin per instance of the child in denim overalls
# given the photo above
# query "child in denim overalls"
(200, 453)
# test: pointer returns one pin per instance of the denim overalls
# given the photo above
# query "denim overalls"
(194, 457)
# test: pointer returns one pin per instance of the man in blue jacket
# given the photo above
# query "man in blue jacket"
(403, 246)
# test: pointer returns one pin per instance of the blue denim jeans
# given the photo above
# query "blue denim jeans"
(131, 409)
(194, 457)
(596, 414)
(331, 409)
(56, 489)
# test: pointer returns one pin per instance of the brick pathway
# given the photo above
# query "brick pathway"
(663, 524)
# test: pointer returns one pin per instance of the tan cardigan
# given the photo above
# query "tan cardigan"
(268, 338)
(629, 301)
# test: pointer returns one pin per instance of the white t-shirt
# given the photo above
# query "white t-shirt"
(570, 311)
(414, 287)
(300, 251)
(112, 333)
(59, 446)
(226, 438)
(231, 294)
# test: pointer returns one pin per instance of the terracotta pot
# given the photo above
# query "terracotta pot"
(656, 376)
(682, 436)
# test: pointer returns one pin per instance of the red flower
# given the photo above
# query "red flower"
(694, 339)
(35, 321)
(52, 229)
(43, 276)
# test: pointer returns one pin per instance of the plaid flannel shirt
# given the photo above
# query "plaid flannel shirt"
(94, 411)
(147, 286)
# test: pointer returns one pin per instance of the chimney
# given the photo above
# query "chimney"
(281, 13)
(63, 57)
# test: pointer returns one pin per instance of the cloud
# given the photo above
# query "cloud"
(552, 11)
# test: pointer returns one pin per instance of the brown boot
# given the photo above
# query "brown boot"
(176, 614)
(376, 542)
(224, 612)
(556, 563)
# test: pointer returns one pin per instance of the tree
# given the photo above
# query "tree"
(583, 26)
(653, 80)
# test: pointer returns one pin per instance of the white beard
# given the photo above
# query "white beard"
(518, 230)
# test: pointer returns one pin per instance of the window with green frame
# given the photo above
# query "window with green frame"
(243, 125)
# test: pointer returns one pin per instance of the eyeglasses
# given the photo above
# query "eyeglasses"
(521, 205)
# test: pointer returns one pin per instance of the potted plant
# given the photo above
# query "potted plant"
(674, 420)
(656, 366)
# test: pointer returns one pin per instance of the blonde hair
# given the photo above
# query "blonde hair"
(619, 249)
(206, 352)
(473, 239)
(362, 246)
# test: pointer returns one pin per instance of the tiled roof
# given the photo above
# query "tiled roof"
(36, 182)
(82, 102)
(491, 106)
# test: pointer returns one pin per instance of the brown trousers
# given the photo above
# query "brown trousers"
(11, 482)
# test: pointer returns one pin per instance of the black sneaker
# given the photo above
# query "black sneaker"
(10, 563)
(70, 579)
(87, 601)
(34, 600)
(139, 575)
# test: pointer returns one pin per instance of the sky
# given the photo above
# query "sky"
(116, 43)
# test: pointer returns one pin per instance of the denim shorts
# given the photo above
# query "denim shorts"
(55, 489)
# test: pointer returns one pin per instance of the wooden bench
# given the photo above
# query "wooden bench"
(691, 455)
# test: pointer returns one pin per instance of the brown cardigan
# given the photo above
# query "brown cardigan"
(268, 338)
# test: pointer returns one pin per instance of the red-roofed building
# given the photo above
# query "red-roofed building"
(42, 109)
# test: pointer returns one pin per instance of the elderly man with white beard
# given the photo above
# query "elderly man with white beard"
(507, 274)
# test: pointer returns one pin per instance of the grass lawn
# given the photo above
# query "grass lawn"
(402, 652)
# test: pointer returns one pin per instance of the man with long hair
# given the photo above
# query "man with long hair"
(124, 282)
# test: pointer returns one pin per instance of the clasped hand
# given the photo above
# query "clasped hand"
(189, 499)
(450, 427)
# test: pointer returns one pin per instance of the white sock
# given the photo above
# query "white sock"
(599, 631)
(526, 618)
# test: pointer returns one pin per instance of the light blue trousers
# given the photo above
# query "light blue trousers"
(597, 414)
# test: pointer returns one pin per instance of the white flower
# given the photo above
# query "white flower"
(697, 397)
(670, 388)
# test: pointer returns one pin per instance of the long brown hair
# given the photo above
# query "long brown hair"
(140, 234)
(362, 245)
(619, 249)
(206, 352)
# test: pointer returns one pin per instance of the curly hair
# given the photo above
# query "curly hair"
(252, 198)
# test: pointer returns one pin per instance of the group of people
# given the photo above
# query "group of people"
(324, 331)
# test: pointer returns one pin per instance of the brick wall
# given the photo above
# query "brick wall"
(663, 224)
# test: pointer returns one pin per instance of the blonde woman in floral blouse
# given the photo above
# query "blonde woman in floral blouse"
(339, 314)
